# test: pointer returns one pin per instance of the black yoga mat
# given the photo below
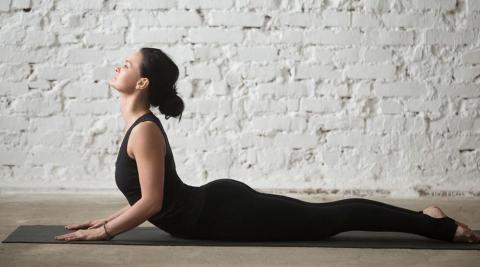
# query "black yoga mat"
(152, 236)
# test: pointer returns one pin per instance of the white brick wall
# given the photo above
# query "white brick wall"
(366, 97)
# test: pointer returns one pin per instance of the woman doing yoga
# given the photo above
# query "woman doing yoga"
(223, 209)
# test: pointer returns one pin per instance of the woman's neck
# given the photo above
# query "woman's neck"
(132, 108)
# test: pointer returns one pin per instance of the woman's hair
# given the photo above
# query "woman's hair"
(162, 74)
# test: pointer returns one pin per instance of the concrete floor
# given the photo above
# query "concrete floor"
(59, 209)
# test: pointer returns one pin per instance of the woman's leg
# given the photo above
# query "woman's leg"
(234, 211)
(343, 201)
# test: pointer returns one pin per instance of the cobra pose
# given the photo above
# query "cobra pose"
(223, 209)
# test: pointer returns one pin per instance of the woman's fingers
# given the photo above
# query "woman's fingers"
(66, 237)
(94, 226)
(77, 226)
(77, 235)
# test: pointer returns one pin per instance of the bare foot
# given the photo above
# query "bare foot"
(463, 233)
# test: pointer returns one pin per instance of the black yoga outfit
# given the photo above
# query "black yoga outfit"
(227, 209)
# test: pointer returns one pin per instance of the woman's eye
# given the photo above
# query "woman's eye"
(125, 65)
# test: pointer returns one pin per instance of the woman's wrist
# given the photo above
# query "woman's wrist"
(107, 234)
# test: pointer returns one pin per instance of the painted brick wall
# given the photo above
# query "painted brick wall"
(364, 98)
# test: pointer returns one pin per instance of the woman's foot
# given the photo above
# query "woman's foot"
(463, 233)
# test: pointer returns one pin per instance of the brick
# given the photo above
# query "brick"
(377, 55)
(235, 19)
(13, 36)
(61, 156)
(362, 88)
(352, 139)
(466, 73)
(390, 107)
(334, 18)
(86, 90)
(360, 71)
(211, 106)
(350, 55)
(82, 5)
(39, 55)
(179, 18)
(327, 72)
(77, 107)
(180, 53)
(39, 39)
(146, 4)
(385, 123)
(379, 37)
(53, 123)
(378, 6)
(5, 5)
(58, 73)
(332, 90)
(13, 89)
(210, 35)
(414, 21)
(272, 157)
(341, 37)
(21, 4)
(105, 39)
(259, 53)
(299, 19)
(217, 158)
(459, 90)
(295, 140)
(12, 156)
(473, 21)
(435, 36)
(205, 4)
(292, 89)
(13, 123)
(274, 37)
(415, 125)
(85, 56)
(399, 89)
(261, 73)
(203, 71)
(269, 123)
(158, 36)
(364, 20)
(37, 104)
(320, 105)
(471, 57)
(435, 4)
(473, 5)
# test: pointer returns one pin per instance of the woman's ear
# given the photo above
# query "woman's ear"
(142, 83)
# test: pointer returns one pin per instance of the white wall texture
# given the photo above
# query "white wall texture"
(349, 97)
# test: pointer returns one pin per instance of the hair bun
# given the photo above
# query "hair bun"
(162, 73)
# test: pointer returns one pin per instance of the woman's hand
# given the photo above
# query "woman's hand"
(87, 225)
(88, 234)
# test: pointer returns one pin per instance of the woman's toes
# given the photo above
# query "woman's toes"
(466, 235)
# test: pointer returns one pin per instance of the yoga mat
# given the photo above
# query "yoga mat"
(152, 236)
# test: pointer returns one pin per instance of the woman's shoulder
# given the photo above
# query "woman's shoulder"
(146, 135)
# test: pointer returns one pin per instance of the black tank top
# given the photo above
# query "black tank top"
(182, 203)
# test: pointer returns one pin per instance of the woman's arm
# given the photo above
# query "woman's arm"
(135, 215)
(117, 213)
(148, 148)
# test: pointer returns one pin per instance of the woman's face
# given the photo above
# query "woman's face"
(127, 75)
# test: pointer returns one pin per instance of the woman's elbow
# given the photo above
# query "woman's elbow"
(153, 206)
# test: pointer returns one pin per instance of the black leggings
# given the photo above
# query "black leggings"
(234, 211)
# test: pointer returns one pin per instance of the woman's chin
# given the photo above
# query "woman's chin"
(112, 84)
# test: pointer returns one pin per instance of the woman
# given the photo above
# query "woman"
(224, 209)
